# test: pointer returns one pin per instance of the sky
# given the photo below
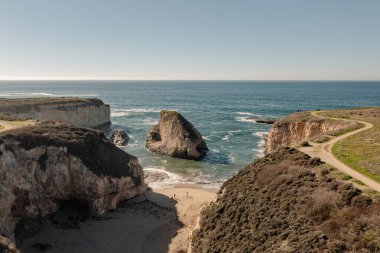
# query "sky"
(190, 39)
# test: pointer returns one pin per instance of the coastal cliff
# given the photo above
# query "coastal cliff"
(78, 111)
(44, 165)
(288, 202)
(293, 129)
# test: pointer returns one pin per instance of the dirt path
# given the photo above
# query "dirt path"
(8, 125)
(323, 151)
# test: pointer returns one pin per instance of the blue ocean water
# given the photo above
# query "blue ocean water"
(218, 109)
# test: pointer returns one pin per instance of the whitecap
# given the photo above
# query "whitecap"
(117, 114)
(260, 134)
(206, 138)
(226, 137)
(149, 122)
(127, 112)
(245, 113)
(245, 119)
(43, 94)
(231, 158)
(137, 110)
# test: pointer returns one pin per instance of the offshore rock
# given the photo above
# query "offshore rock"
(119, 137)
(175, 136)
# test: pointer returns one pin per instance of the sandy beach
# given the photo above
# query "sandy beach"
(161, 220)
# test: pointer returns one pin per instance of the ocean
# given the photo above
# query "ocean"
(218, 109)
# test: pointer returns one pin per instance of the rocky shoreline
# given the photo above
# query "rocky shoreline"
(66, 188)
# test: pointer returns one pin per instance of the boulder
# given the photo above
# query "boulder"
(45, 165)
(175, 136)
(119, 137)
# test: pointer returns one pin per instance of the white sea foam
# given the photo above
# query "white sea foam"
(245, 113)
(231, 158)
(260, 134)
(226, 137)
(43, 94)
(159, 177)
(126, 112)
(234, 131)
(206, 138)
(149, 122)
(261, 143)
(245, 119)
(117, 114)
(258, 152)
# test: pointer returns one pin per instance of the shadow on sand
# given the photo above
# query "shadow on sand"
(144, 224)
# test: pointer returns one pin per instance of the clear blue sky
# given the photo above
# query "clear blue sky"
(190, 39)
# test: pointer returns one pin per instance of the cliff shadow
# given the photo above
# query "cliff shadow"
(146, 223)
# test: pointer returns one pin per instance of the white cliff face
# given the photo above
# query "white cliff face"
(80, 112)
(34, 181)
(85, 116)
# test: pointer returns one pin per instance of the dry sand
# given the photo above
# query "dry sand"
(159, 221)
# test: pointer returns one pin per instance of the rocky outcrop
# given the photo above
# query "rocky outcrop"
(287, 202)
(269, 121)
(298, 127)
(77, 111)
(7, 246)
(49, 163)
(119, 137)
(175, 136)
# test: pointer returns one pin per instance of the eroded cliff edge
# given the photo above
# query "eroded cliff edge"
(288, 202)
(46, 164)
(83, 112)
(293, 129)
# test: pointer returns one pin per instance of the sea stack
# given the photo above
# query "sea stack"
(175, 136)
(119, 137)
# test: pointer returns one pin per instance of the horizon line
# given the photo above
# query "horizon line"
(203, 80)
